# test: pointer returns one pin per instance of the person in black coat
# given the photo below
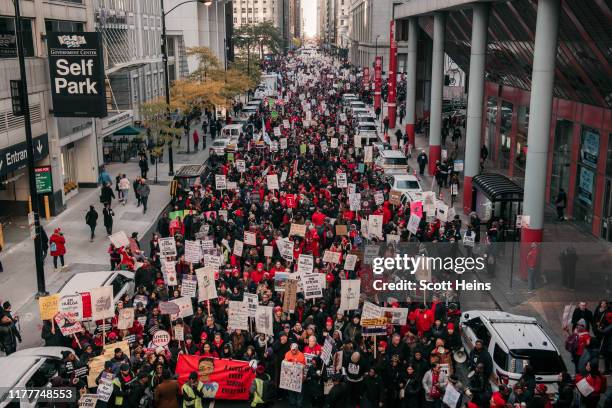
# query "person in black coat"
(480, 355)
(137, 389)
(143, 163)
(91, 219)
(581, 312)
(108, 215)
(422, 160)
(339, 394)
(412, 389)
(106, 194)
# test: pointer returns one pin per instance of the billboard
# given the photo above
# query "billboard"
(76, 67)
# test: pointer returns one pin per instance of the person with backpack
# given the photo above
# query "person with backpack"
(263, 392)
(577, 342)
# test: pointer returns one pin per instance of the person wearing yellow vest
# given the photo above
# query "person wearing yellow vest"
(192, 392)
(257, 387)
(119, 386)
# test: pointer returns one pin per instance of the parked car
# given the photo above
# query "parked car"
(405, 183)
(121, 281)
(513, 341)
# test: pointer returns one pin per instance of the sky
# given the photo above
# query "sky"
(309, 10)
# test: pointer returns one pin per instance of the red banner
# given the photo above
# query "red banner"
(392, 97)
(377, 81)
(366, 78)
(223, 379)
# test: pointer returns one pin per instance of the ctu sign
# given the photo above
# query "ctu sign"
(16, 156)
(77, 74)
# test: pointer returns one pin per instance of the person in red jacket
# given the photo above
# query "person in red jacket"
(196, 139)
(597, 382)
(57, 246)
(318, 218)
(424, 319)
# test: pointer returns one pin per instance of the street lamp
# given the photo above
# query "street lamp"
(376, 48)
(166, 73)
(25, 108)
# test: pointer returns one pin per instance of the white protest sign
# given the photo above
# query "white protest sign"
(349, 294)
(379, 197)
(272, 180)
(350, 262)
(312, 285)
(119, 239)
(341, 181)
(238, 247)
(72, 304)
(371, 311)
(206, 284)
(375, 225)
(193, 251)
(185, 307)
(105, 387)
(167, 247)
(189, 285)
(241, 166)
(268, 251)
(238, 316)
(283, 143)
(220, 182)
(251, 301)
(368, 154)
(179, 332)
(102, 303)
(413, 223)
(291, 376)
(264, 319)
(250, 238)
(169, 272)
(441, 210)
(332, 257)
(334, 143)
(305, 264)
(355, 201)
(126, 318)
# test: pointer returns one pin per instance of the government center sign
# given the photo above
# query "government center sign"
(77, 74)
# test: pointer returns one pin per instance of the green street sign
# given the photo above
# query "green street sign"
(43, 179)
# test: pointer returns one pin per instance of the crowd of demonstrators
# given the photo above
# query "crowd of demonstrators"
(410, 365)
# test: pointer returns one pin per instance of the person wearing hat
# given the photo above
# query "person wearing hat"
(479, 385)
(137, 395)
(261, 390)
(118, 359)
(120, 386)
(192, 391)
(295, 356)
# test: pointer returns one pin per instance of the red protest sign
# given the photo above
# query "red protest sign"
(223, 379)
(291, 201)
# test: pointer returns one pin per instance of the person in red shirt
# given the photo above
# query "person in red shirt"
(532, 264)
(258, 274)
(313, 347)
(318, 218)
(597, 381)
(424, 319)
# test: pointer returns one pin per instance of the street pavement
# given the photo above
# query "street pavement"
(18, 282)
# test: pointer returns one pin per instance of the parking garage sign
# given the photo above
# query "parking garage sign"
(77, 74)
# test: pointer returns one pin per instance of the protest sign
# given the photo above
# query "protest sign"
(119, 239)
(305, 264)
(251, 301)
(332, 257)
(72, 304)
(350, 262)
(413, 223)
(68, 323)
(375, 226)
(206, 284)
(48, 306)
(355, 201)
(167, 247)
(222, 379)
(102, 303)
(169, 272)
(290, 297)
(250, 238)
(341, 230)
(297, 229)
(264, 319)
(238, 316)
(238, 247)
(189, 285)
(193, 251)
(185, 307)
(161, 338)
(416, 208)
(105, 387)
(379, 198)
(268, 251)
(272, 181)
(220, 182)
(280, 279)
(126, 318)
(291, 376)
(349, 294)
(179, 332)
(395, 197)
(341, 180)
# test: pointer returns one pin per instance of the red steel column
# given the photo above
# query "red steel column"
(377, 81)
(392, 96)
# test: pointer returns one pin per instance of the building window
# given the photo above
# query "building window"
(265, 10)
(561, 157)
(520, 158)
(170, 47)
(235, 10)
(505, 131)
(250, 11)
(235, 20)
(52, 26)
(256, 10)
(7, 30)
(243, 21)
(586, 176)
(244, 10)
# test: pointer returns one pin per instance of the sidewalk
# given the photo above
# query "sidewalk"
(18, 282)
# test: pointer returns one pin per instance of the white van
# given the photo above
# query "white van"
(391, 160)
(513, 341)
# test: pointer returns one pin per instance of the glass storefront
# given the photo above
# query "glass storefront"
(491, 124)
(606, 215)
(520, 156)
(561, 158)
(505, 138)
(585, 178)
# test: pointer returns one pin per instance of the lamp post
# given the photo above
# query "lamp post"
(166, 74)
(25, 108)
